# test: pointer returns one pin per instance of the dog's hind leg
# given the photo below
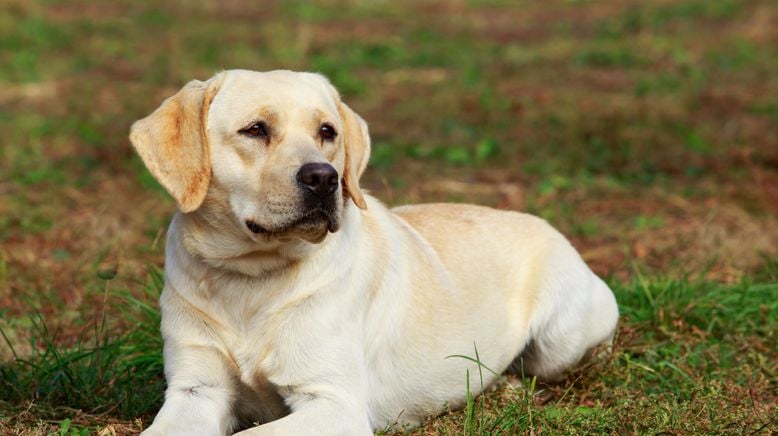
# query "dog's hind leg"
(582, 316)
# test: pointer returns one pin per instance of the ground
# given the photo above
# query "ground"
(645, 131)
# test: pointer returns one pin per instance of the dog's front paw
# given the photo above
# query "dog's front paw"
(182, 428)
(153, 430)
(166, 429)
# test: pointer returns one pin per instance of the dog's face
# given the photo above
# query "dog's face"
(278, 149)
(278, 152)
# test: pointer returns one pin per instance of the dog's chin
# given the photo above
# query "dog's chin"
(312, 227)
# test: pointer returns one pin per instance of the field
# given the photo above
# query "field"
(645, 131)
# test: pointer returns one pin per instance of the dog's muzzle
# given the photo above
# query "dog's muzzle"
(319, 184)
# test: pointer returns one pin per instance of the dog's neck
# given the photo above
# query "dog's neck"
(210, 235)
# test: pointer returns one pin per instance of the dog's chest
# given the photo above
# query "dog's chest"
(258, 398)
(249, 348)
(251, 335)
(275, 333)
(248, 359)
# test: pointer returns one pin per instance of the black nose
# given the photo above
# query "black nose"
(320, 178)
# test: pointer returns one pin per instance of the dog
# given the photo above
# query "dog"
(295, 303)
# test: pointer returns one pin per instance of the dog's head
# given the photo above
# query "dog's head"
(278, 150)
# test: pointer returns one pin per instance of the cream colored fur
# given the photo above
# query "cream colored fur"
(347, 326)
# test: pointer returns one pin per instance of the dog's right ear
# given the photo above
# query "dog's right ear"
(173, 144)
(357, 144)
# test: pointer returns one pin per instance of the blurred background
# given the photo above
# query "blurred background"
(645, 131)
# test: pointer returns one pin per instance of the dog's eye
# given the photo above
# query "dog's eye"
(256, 130)
(327, 132)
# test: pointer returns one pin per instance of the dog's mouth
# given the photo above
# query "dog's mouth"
(312, 225)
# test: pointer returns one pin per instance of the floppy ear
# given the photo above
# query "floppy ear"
(173, 144)
(357, 142)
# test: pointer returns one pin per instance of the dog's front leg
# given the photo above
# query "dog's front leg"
(200, 393)
(320, 416)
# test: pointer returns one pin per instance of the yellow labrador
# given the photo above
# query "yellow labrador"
(297, 304)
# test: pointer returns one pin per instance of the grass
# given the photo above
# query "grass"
(108, 371)
(645, 131)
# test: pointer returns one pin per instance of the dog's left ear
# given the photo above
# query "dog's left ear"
(357, 141)
(173, 144)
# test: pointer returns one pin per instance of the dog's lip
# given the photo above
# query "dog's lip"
(255, 228)
(310, 215)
